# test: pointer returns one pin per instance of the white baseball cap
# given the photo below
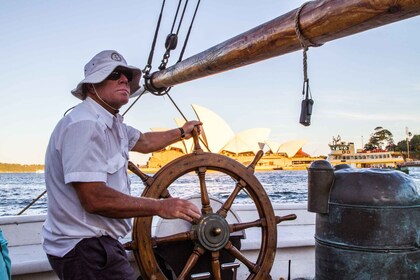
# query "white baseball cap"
(101, 66)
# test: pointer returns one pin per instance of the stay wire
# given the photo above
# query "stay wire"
(176, 16)
(179, 110)
(132, 104)
(148, 67)
(32, 203)
(182, 17)
(173, 38)
(189, 32)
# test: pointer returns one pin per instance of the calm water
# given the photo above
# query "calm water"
(18, 189)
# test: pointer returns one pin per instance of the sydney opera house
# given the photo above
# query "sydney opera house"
(218, 137)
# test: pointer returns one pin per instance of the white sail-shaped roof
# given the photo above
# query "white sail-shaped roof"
(291, 147)
(273, 146)
(247, 141)
(217, 131)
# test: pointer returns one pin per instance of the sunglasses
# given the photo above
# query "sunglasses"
(116, 75)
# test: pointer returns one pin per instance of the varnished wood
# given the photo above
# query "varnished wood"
(193, 162)
(289, 217)
(228, 203)
(242, 226)
(253, 268)
(205, 201)
(200, 162)
(215, 265)
(256, 159)
(320, 22)
(182, 236)
(196, 254)
(146, 179)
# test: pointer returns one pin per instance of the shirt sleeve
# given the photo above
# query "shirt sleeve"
(83, 154)
(133, 136)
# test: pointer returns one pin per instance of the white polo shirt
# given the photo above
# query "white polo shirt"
(87, 145)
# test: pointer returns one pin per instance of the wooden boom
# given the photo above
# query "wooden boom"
(320, 22)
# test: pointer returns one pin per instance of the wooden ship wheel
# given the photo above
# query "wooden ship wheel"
(211, 234)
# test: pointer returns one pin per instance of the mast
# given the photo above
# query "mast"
(319, 22)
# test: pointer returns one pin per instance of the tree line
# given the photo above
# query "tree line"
(382, 139)
(14, 167)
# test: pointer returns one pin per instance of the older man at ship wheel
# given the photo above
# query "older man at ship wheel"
(89, 201)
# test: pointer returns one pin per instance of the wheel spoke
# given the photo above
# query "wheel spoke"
(289, 217)
(228, 203)
(196, 254)
(215, 265)
(253, 268)
(205, 201)
(241, 226)
(182, 236)
(256, 159)
(165, 194)
(146, 179)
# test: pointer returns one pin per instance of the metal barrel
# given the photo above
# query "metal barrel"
(371, 230)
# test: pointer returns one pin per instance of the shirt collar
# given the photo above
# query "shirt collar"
(101, 112)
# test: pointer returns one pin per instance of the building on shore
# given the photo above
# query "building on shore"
(218, 137)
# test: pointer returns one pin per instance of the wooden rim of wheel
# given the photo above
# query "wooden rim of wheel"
(201, 162)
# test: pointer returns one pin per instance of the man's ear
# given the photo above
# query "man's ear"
(88, 88)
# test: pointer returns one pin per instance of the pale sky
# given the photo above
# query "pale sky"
(360, 82)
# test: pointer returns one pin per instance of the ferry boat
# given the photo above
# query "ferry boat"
(344, 153)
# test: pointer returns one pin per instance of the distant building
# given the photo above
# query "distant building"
(218, 137)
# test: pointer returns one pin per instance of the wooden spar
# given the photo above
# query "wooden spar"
(320, 22)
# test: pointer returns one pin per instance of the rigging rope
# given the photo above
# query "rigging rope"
(148, 66)
(170, 44)
(189, 32)
(304, 42)
(307, 102)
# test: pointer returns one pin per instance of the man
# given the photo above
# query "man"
(89, 202)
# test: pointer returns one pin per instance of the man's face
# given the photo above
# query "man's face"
(115, 90)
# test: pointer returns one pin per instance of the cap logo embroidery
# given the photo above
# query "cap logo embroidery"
(115, 56)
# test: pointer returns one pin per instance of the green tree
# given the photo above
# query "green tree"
(401, 146)
(415, 143)
(414, 146)
(379, 139)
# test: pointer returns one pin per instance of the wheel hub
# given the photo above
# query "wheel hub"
(213, 232)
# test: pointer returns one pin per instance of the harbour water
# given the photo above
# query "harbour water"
(17, 190)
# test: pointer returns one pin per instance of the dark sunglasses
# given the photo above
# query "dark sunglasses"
(116, 75)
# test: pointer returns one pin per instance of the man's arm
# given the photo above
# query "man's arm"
(98, 198)
(157, 140)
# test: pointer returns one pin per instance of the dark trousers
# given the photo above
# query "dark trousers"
(102, 258)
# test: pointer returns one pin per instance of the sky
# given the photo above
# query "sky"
(358, 83)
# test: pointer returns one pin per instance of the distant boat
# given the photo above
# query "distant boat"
(342, 152)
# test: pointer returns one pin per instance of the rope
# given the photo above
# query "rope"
(132, 104)
(33, 201)
(182, 17)
(189, 32)
(304, 42)
(148, 66)
(172, 39)
(176, 16)
(307, 102)
(179, 110)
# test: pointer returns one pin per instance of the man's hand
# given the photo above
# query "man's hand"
(172, 208)
(189, 126)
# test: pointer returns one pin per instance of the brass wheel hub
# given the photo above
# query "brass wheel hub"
(212, 232)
